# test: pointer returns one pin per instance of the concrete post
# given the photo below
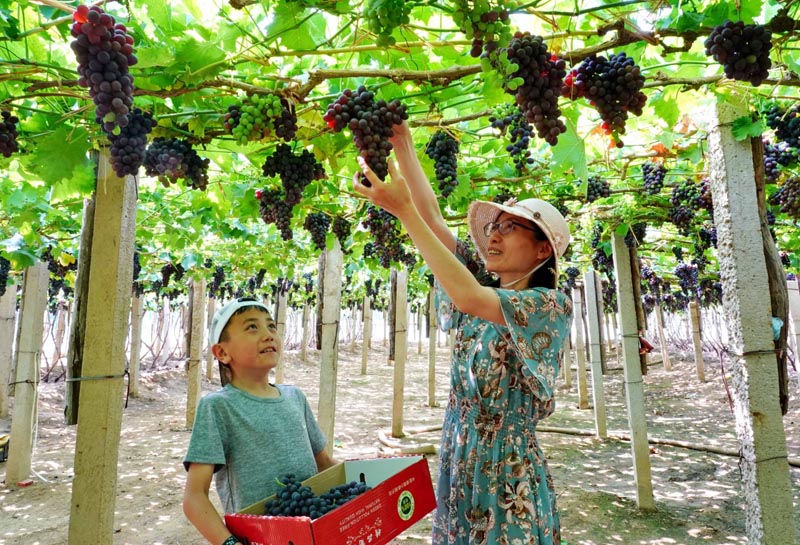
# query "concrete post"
(8, 315)
(193, 370)
(580, 348)
(331, 291)
(697, 340)
(594, 310)
(400, 335)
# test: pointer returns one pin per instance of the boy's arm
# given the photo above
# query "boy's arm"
(324, 460)
(198, 507)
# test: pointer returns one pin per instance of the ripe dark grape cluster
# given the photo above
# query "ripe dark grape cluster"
(8, 133)
(699, 258)
(572, 274)
(687, 275)
(486, 22)
(597, 188)
(708, 236)
(786, 124)
(443, 149)
(387, 244)
(613, 87)
(742, 50)
(654, 174)
(5, 267)
(705, 200)
(341, 228)
(128, 148)
(383, 16)
(543, 77)
(610, 297)
(685, 201)
(214, 287)
(710, 292)
(317, 224)
(168, 271)
(635, 235)
(775, 156)
(370, 121)
(788, 197)
(295, 499)
(510, 120)
(502, 197)
(259, 116)
(104, 51)
(172, 159)
(273, 208)
(295, 171)
(651, 282)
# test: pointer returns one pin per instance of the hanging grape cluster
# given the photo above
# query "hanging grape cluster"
(370, 121)
(597, 188)
(259, 116)
(173, 159)
(654, 174)
(543, 77)
(788, 197)
(685, 201)
(635, 235)
(295, 171)
(486, 22)
(273, 209)
(610, 296)
(443, 149)
(601, 261)
(317, 223)
(169, 271)
(128, 148)
(777, 155)
(572, 273)
(383, 16)
(710, 292)
(5, 267)
(510, 121)
(215, 286)
(341, 228)
(8, 133)
(687, 275)
(613, 87)
(104, 51)
(742, 50)
(387, 244)
(786, 124)
(295, 499)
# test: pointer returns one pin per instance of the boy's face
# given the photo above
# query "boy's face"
(251, 342)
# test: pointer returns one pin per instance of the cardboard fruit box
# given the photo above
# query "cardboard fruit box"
(401, 495)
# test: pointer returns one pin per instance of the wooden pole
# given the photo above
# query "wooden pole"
(331, 291)
(108, 307)
(137, 312)
(580, 349)
(26, 381)
(432, 350)
(400, 335)
(747, 302)
(367, 334)
(193, 368)
(8, 314)
(634, 388)
(594, 311)
(662, 339)
(697, 340)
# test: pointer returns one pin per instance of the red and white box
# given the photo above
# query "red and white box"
(401, 494)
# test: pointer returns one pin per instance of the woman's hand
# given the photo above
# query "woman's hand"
(401, 140)
(393, 196)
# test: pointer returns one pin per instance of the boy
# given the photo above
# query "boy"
(250, 432)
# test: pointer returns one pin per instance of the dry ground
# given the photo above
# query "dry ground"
(698, 495)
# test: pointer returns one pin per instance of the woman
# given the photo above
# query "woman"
(494, 487)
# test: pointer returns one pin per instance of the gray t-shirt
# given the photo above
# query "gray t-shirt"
(252, 441)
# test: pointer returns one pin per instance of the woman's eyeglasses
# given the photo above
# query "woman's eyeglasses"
(504, 227)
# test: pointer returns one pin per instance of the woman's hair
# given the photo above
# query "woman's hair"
(545, 276)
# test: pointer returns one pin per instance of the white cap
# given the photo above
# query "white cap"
(224, 314)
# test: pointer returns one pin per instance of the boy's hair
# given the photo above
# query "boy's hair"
(221, 318)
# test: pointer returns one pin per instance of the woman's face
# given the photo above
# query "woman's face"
(514, 254)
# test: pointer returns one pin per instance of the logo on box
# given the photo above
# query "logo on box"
(405, 505)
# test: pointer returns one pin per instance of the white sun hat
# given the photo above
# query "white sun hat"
(542, 213)
(224, 314)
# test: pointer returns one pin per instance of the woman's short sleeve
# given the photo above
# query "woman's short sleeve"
(447, 314)
(538, 321)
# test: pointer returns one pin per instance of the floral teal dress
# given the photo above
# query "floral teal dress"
(494, 487)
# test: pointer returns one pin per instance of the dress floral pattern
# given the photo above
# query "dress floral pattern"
(494, 487)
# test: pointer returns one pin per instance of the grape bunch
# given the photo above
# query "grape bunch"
(542, 75)
(502, 197)
(8, 133)
(172, 159)
(742, 50)
(613, 87)
(708, 236)
(383, 16)
(260, 115)
(341, 228)
(775, 156)
(786, 124)
(214, 287)
(635, 235)
(699, 258)
(317, 224)
(572, 274)
(128, 148)
(295, 499)
(686, 199)
(687, 275)
(710, 292)
(370, 121)
(387, 244)
(443, 149)
(104, 51)
(654, 174)
(486, 22)
(169, 271)
(519, 136)
(597, 188)
(610, 297)
(788, 197)
(273, 208)
(705, 200)
(295, 171)
(5, 267)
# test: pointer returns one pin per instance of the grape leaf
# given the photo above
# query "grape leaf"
(745, 127)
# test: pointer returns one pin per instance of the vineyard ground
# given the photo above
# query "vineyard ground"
(698, 495)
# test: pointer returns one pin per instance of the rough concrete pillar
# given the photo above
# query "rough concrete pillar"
(594, 311)
(331, 299)
(580, 348)
(747, 306)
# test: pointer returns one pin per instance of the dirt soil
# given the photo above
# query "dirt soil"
(698, 494)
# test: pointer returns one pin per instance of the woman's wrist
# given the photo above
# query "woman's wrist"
(232, 540)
